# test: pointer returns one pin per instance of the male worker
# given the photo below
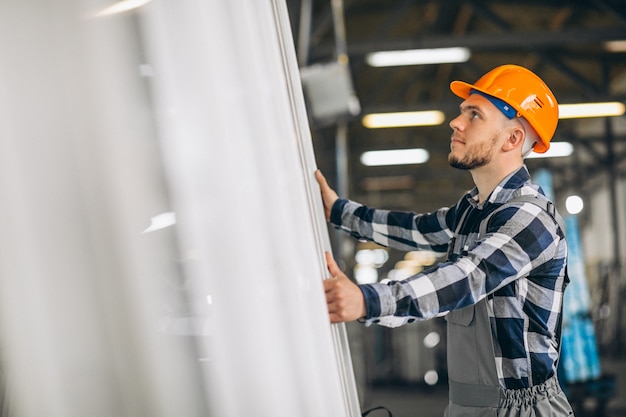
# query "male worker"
(501, 286)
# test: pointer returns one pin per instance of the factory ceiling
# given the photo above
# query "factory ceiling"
(565, 42)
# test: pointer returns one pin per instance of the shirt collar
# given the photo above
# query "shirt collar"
(504, 190)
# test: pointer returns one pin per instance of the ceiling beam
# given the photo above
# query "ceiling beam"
(588, 87)
(485, 42)
(611, 11)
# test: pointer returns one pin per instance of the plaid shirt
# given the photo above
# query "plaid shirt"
(519, 265)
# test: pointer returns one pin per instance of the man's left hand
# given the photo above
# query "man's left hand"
(344, 298)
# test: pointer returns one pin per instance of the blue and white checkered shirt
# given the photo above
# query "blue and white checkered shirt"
(519, 265)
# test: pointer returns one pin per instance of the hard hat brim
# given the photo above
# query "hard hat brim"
(463, 89)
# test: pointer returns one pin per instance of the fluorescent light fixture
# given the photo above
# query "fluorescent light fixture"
(418, 57)
(403, 119)
(121, 7)
(557, 149)
(395, 157)
(607, 109)
(615, 46)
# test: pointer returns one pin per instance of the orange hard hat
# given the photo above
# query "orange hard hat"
(525, 92)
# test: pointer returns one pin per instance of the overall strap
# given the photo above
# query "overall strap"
(547, 205)
(457, 229)
(538, 200)
(466, 320)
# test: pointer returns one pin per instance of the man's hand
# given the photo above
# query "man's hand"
(344, 298)
(329, 196)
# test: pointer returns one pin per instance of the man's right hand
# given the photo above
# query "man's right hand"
(329, 196)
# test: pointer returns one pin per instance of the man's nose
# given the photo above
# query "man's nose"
(455, 124)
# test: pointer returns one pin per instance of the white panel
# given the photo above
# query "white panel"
(241, 166)
(184, 106)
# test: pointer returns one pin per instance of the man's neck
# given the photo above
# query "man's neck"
(486, 179)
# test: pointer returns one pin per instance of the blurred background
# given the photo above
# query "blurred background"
(162, 239)
(376, 78)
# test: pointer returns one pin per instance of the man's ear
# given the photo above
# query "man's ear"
(516, 137)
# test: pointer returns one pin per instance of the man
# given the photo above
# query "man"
(501, 287)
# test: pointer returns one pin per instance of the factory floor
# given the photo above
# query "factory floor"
(424, 401)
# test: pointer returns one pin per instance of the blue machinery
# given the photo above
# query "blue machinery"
(580, 370)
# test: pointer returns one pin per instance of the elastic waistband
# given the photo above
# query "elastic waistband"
(532, 395)
(473, 395)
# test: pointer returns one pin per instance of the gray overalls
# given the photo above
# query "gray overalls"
(473, 379)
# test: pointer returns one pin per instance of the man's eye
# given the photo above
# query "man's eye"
(475, 115)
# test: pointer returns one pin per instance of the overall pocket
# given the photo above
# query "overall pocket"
(462, 345)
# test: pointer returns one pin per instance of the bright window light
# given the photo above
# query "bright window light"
(571, 111)
(403, 119)
(557, 149)
(395, 157)
(417, 57)
(574, 204)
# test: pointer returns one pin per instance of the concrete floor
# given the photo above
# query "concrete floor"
(423, 401)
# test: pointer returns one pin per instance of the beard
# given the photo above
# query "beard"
(477, 157)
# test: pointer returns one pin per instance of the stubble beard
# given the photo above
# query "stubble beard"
(475, 158)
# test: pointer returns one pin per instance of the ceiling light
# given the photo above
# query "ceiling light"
(373, 257)
(395, 157)
(403, 119)
(122, 6)
(557, 149)
(431, 377)
(574, 204)
(418, 57)
(365, 274)
(571, 111)
(615, 46)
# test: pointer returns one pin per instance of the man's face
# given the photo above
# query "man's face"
(476, 133)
